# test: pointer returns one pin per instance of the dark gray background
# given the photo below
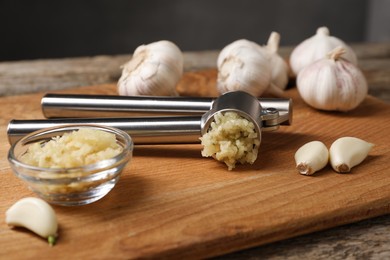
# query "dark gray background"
(54, 29)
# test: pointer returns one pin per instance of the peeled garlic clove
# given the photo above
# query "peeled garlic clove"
(243, 65)
(347, 152)
(311, 157)
(154, 70)
(279, 67)
(332, 83)
(34, 214)
(317, 47)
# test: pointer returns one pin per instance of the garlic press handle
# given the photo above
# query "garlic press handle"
(71, 106)
(153, 130)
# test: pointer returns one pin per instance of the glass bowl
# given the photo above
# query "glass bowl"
(70, 186)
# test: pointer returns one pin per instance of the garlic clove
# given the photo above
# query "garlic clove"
(279, 67)
(243, 65)
(315, 48)
(36, 215)
(311, 157)
(155, 69)
(332, 83)
(347, 152)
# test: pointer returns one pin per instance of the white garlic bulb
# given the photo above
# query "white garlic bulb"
(154, 70)
(347, 152)
(332, 83)
(315, 48)
(279, 67)
(244, 65)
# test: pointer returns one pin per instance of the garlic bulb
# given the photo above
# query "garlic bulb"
(332, 83)
(315, 48)
(311, 157)
(347, 152)
(36, 215)
(154, 70)
(279, 67)
(244, 65)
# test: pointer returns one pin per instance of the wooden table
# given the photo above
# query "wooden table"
(365, 239)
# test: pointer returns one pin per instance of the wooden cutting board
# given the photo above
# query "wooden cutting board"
(172, 203)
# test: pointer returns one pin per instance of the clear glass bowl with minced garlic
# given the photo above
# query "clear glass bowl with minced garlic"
(71, 164)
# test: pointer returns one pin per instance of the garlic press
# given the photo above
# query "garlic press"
(175, 120)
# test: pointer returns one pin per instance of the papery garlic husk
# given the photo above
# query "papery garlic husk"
(347, 152)
(244, 65)
(311, 157)
(332, 83)
(154, 70)
(317, 47)
(279, 67)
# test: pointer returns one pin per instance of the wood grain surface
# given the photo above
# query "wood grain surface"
(172, 203)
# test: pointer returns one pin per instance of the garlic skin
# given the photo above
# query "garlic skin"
(332, 83)
(311, 157)
(36, 215)
(154, 70)
(347, 152)
(315, 48)
(243, 66)
(279, 67)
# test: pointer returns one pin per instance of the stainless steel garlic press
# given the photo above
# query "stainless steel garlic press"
(178, 120)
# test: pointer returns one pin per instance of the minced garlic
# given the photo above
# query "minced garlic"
(73, 149)
(231, 139)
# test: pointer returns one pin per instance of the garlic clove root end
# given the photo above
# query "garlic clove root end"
(305, 169)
